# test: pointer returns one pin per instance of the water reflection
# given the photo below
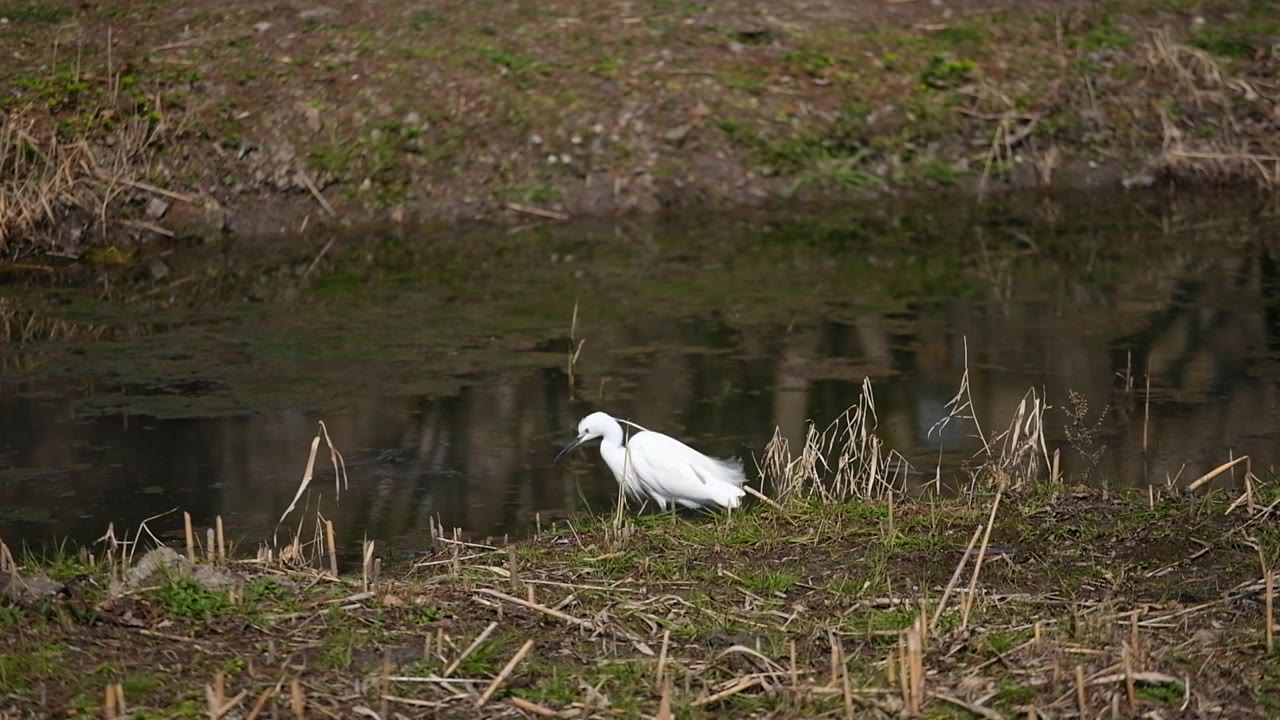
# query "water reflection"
(1205, 324)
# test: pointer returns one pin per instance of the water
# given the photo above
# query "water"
(439, 361)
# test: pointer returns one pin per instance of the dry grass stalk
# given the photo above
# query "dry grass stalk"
(484, 635)
(1146, 408)
(1200, 481)
(114, 705)
(664, 703)
(532, 707)
(846, 686)
(7, 563)
(366, 565)
(960, 407)
(914, 644)
(535, 606)
(222, 542)
(955, 577)
(505, 673)
(262, 701)
(297, 700)
(575, 347)
(661, 672)
(1082, 701)
(513, 571)
(967, 605)
(1269, 584)
(1126, 654)
(190, 534)
(743, 684)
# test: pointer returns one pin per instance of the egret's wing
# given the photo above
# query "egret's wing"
(679, 471)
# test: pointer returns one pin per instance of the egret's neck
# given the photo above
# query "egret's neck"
(612, 436)
(612, 450)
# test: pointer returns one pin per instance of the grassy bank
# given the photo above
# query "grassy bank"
(148, 121)
(850, 594)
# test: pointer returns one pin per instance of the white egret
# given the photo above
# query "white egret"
(661, 467)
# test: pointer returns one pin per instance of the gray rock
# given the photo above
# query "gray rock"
(157, 208)
(677, 134)
(159, 269)
(164, 562)
(29, 588)
(155, 563)
(215, 577)
(316, 12)
(1141, 180)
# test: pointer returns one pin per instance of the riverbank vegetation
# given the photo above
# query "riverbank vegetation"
(123, 124)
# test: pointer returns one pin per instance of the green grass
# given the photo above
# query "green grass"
(769, 581)
(186, 597)
(1171, 694)
(47, 13)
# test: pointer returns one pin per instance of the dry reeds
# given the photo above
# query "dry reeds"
(845, 460)
(42, 174)
(324, 540)
(1228, 153)
(37, 176)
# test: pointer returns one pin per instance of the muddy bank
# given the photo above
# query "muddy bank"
(1083, 602)
(133, 123)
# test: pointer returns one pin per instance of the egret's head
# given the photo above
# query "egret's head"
(593, 426)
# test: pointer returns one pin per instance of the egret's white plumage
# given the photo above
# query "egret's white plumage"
(662, 468)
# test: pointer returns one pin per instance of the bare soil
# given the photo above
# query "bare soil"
(130, 123)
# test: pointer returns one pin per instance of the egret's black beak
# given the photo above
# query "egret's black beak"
(572, 446)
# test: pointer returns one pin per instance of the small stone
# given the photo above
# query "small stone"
(677, 134)
(30, 588)
(214, 577)
(535, 139)
(565, 159)
(737, 48)
(316, 12)
(552, 159)
(313, 118)
(598, 128)
(412, 119)
(1141, 180)
(159, 269)
(576, 139)
(262, 27)
(157, 208)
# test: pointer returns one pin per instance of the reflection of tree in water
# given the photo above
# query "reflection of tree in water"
(480, 459)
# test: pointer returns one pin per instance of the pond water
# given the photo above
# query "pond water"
(439, 360)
